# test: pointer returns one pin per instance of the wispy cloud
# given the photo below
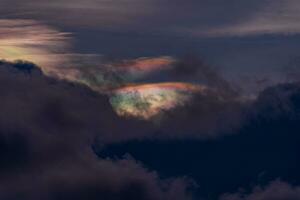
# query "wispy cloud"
(238, 19)
(146, 16)
(275, 17)
(205, 18)
(31, 40)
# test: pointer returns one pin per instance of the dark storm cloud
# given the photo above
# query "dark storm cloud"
(46, 130)
(264, 147)
(276, 190)
(277, 103)
(206, 116)
(60, 110)
(47, 127)
(82, 178)
(193, 68)
(212, 113)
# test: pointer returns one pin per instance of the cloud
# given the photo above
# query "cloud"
(276, 190)
(31, 40)
(56, 105)
(149, 100)
(192, 68)
(82, 178)
(251, 151)
(144, 66)
(275, 17)
(93, 13)
(278, 102)
(44, 45)
(155, 16)
(104, 75)
(213, 18)
(50, 139)
(49, 49)
(57, 122)
(144, 87)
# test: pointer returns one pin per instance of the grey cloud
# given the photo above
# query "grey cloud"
(23, 39)
(192, 68)
(47, 104)
(47, 127)
(143, 16)
(48, 124)
(276, 190)
(214, 18)
(276, 17)
(81, 178)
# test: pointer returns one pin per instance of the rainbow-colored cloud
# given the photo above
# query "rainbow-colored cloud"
(30, 40)
(146, 101)
(49, 48)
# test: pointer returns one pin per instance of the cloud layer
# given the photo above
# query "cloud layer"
(276, 190)
(205, 18)
(31, 40)
(58, 121)
(46, 147)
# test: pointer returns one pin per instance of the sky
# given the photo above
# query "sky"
(149, 99)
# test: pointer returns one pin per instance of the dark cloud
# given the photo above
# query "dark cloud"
(48, 126)
(265, 145)
(276, 190)
(206, 115)
(279, 102)
(46, 130)
(82, 178)
(195, 69)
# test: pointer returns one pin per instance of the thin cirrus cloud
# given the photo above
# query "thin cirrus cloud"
(276, 17)
(205, 18)
(92, 13)
(31, 40)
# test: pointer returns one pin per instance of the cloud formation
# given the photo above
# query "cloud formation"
(31, 40)
(276, 190)
(47, 48)
(57, 122)
(205, 18)
(149, 100)
(55, 105)
(275, 17)
(46, 148)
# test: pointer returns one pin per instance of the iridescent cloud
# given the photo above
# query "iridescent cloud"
(32, 41)
(50, 49)
(145, 65)
(146, 101)
(103, 76)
